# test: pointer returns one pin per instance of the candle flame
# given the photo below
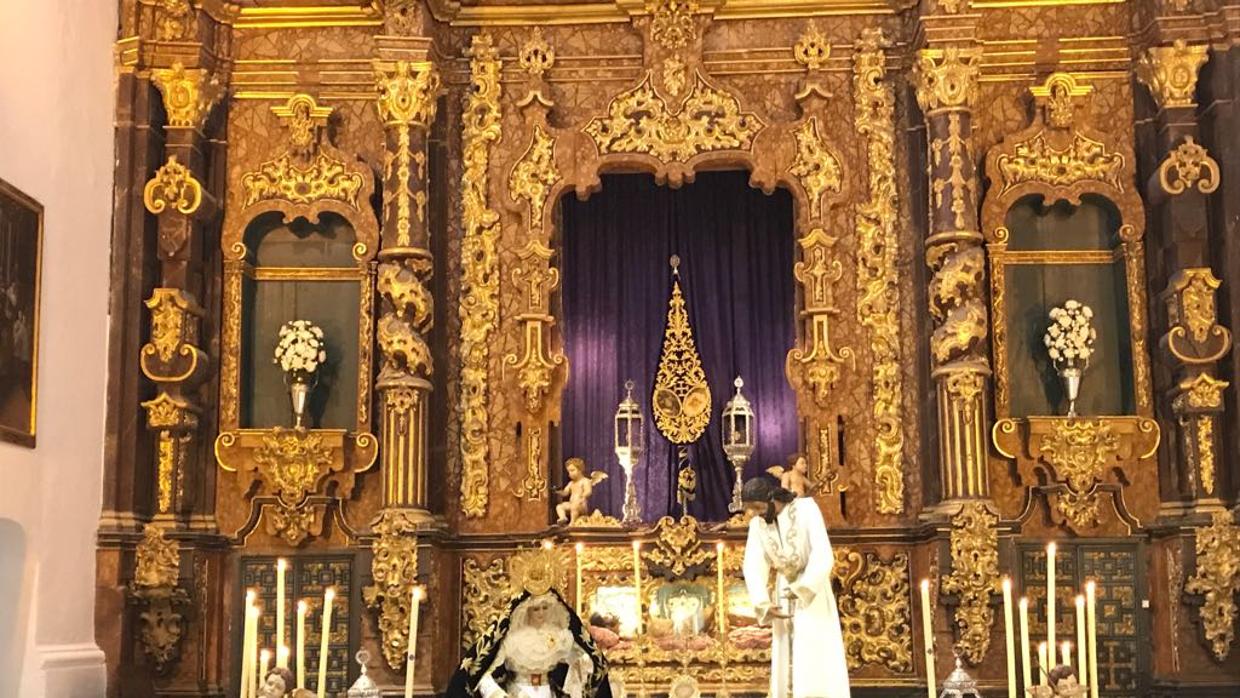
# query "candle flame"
(418, 593)
(282, 652)
(264, 655)
(719, 546)
(302, 606)
(281, 564)
(1080, 600)
(1090, 587)
(250, 596)
(925, 584)
(580, 547)
(637, 545)
(547, 545)
(1051, 547)
(1007, 583)
(329, 594)
(1024, 601)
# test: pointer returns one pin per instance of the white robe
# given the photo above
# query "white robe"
(534, 652)
(798, 549)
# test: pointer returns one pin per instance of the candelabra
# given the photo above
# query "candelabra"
(628, 443)
(738, 438)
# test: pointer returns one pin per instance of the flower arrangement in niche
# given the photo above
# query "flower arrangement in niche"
(1069, 341)
(300, 352)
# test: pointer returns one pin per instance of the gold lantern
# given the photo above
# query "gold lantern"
(629, 447)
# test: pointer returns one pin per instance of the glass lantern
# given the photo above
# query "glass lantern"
(365, 686)
(628, 443)
(738, 438)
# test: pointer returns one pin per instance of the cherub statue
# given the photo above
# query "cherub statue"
(794, 478)
(1061, 683)
(578, 490)
(277, 684)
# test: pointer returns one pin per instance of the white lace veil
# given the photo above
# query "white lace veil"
(556, 614)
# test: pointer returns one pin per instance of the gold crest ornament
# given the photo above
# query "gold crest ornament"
(537, 571)
(681, 394)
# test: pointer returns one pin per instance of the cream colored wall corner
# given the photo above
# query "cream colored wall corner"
(56, 144)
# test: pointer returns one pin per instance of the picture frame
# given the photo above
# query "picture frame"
(21, 275)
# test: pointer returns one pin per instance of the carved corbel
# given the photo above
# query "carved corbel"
(1188, 166)
(815, 366)
(1195, 337)
(394, 568)
(974, 577)
(479, 304)
(536, 279)
(1170, 73)
(1217, 581)
(162, 603)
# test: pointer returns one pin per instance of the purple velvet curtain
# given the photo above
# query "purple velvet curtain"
(736, 250)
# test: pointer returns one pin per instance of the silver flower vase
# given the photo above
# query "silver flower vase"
(300, 383)
(1071, 377)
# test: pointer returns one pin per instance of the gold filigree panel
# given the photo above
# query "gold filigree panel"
(875, 616)
(1217, 580)
(974, 577)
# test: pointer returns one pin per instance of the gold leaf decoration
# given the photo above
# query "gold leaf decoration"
(484, 594)
(1189, 165)
(947, 78)
(1037, 160)
(1170, 72)
(536, 279)
(816, 166)
(172, 187)
(1078, 451)
(534, 175)
(1218, 580)
(156, 573)
(672, 25)
(283, 179)
(394, 568)
(877, 260)
(639, 120)
(479, 304)
(189, 94)
(157, 559)
(816, 366)
(874, 609)
(678, 547)
(291, 463)
(682, 401)
(974, 576)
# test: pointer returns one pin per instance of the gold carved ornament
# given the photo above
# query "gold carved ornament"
(682, 397)
(172, 187)
(291, 464)
(402, 331)
(812, 49)
(1195, 337)
(479, 304)
(1188, 166)
(533, 486)
(309, 172)
(174, 331)
(394, 568)
(816, 166)
(974, 577)
(157, 563)
(407, 99)
(1078, 451)
(484, 596)
(817, 365)
(672, 25)
(955, 301)
(537, 55)
(1197, 401)
(174, 20)
(535, 279)
(1037, 160)
(1170, 73)
(640, 120)
(947, 78)
(1217, 579)
(875, 616)
(1175, 595)
(534, 175)
(678, 547)
(189, 94)
(877, 261)
(172, 418)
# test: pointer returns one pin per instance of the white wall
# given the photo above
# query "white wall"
(56, 144)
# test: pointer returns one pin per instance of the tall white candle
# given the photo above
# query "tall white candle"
(264, 665)
(250, 596)
(256, 613)
(411, 655)
(1008, 636)
(1065, 654)
(281, 565)
(1082, 675)
(927, 636)
(1043, 667)
(637, 581)
(301, 643)
(282, 655)
(1026, 659)
(721, 596)
(328, 597)
(1091, 622)
(1051, 548)
(581, 604)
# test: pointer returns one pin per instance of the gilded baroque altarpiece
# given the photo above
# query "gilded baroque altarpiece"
(430, 143)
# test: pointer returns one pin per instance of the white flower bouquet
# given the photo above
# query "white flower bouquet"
(300, 348)
(1069, 338)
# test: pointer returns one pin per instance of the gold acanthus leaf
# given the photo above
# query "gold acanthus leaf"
(157, 560)
(479, 294)
(678, 547)
(394, 568)
(189, 94)
(1189, 165)
(816, 166)
(672, 25)
(1170, 72)
(974, 576)
(874, 609)
(292, 463)
(282, 179)
(682, 400)
(1218, 580)
(640, 120)
(534, 175)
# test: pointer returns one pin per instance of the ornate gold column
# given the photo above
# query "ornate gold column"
(1193, 341)
(172, 358)
(408, 90)
(946, 81)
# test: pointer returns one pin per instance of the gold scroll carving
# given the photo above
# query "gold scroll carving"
(407, 100)
(157, 564)
(672, 25)
(1170, 73)
(535, 279)
(817, 364)
(173, 187)
(1217, 579)
(1039, 160)
(173, 419)
(533, 486)
(484, 593)
(1077, 451)
(678, 547)
(974, 577)
(1188, 166)
(175, 20)
(816, 167)
(394, 568)
(877, 260)
(189, 94)
(874, 609)
(534, 175)
(640, 120)
(1195, 336)
(479, 305)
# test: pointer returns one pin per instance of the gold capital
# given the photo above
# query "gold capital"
(189, 94)
(947, 78)
(407, 93)
(1170, 73)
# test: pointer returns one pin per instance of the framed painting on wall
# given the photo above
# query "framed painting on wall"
(21, 242)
